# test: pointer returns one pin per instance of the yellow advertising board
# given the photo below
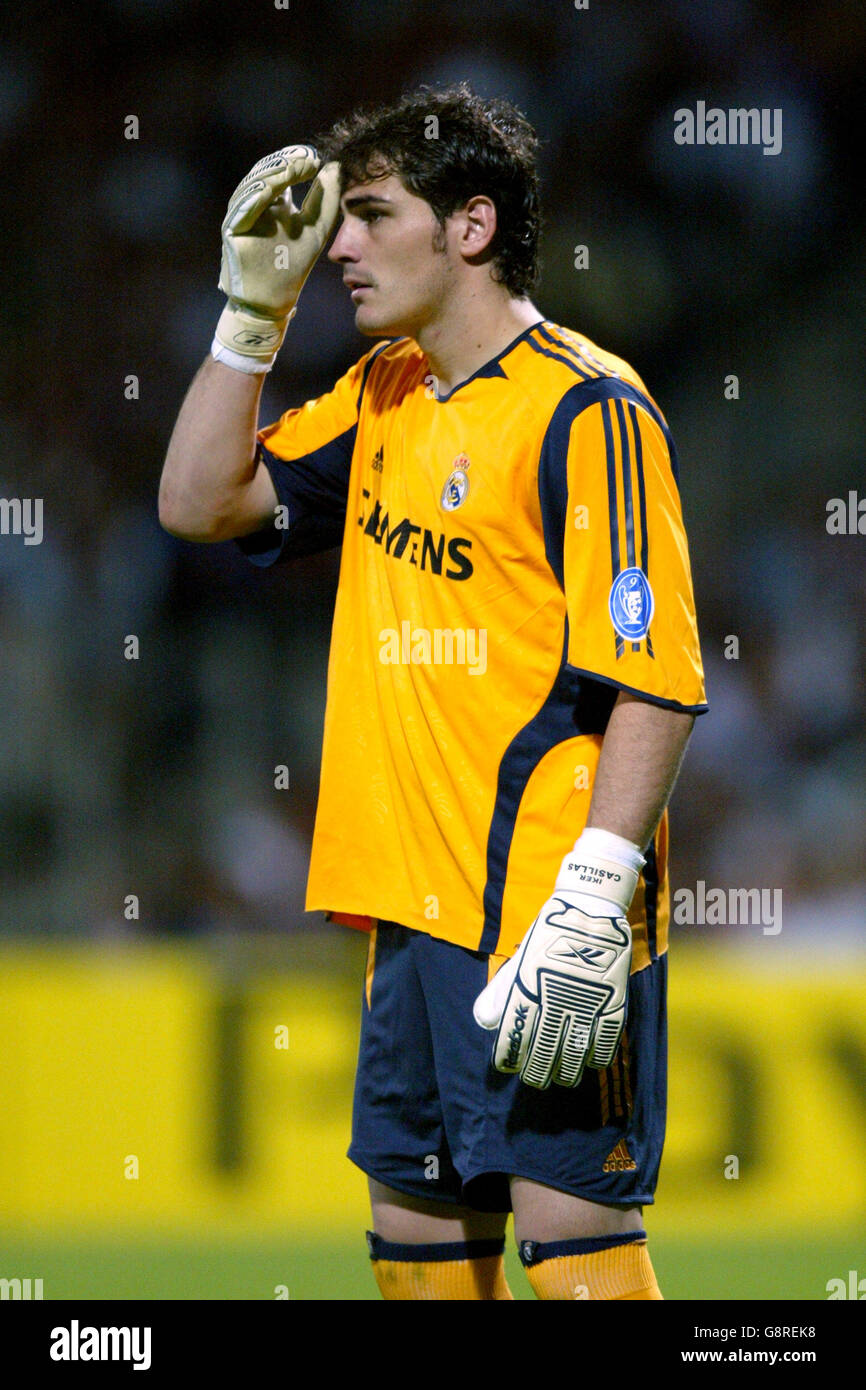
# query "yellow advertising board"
(150, 1089)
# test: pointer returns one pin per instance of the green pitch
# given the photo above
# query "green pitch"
(135, 1270)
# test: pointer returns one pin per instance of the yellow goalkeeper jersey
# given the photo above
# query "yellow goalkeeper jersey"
(513, 555)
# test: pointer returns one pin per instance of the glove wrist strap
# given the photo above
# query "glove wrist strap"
(251, 365)
(602, 866)
(610, 846)
(246, 340)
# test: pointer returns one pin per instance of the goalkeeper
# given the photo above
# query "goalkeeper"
(514, 674)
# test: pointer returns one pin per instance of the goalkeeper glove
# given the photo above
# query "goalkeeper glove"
(269, 249)
(559, 1004)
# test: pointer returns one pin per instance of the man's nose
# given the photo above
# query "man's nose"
(340, 248)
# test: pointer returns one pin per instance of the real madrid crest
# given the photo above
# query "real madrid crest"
(456, 488)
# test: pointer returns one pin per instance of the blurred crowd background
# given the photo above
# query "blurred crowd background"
(155, 776)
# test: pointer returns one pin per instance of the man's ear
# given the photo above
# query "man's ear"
(479, 225)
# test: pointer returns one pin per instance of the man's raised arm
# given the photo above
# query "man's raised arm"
(211, 488)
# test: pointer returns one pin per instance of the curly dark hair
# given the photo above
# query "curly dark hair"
(447, 146)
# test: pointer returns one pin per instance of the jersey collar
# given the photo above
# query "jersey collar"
(493, 367)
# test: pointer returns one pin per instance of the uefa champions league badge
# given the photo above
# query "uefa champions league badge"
(631, 604)
(456, 488)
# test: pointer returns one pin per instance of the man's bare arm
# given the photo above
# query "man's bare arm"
(211, 488)
(640, 758)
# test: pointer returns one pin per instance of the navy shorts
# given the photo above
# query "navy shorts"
(434, 1119)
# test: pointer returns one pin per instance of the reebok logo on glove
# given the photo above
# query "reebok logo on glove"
(559, 1004)
(595, 957)
(515, 1037)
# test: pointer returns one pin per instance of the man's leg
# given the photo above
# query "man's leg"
(423, 1244)
(575, 1249)
(433, 1250)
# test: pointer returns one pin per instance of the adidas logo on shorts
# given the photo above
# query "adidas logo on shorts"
(619, 1160)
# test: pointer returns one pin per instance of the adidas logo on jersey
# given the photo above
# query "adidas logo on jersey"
(619, 1160)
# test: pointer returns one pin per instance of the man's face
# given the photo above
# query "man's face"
(385, 245)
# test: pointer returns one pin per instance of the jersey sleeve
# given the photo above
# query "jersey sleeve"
(308, 453)
(616, 539)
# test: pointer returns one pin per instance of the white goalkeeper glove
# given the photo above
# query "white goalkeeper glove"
(559, 1004)
(269, 249)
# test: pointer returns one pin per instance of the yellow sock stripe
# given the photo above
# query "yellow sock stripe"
(454, 1280)
(622, 1272)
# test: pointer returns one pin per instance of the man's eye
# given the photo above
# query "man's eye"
(372, 216)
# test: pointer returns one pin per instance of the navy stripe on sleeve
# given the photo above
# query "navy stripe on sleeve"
(625, 453)
(313, 490)
(612, 504)
(641, 490)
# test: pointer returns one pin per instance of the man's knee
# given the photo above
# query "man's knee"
(428, 1250)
